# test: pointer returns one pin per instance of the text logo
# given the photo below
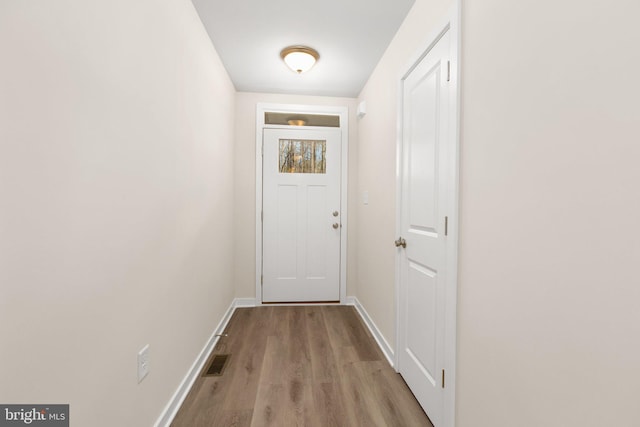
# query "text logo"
(34, 415)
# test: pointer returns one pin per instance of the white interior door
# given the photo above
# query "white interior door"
(424, 202)
(301, 215)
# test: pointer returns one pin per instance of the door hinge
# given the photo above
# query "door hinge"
(443, 378)
(446, 225)
(448, 71)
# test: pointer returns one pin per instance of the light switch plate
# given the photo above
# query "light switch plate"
(143, 363)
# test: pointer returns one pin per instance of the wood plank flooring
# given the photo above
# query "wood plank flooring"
(315, 366)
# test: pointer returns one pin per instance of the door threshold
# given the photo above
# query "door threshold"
(302, 303)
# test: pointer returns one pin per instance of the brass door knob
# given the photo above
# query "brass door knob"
(401, 242)
(335, 225)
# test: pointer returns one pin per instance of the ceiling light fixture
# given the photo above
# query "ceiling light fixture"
(299, 58)
(297, 121)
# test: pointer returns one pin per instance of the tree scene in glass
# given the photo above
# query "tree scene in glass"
(302, 156)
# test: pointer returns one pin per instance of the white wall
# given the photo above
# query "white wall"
(116, 154)
(245, 183)
(377, 132)
(549, 324)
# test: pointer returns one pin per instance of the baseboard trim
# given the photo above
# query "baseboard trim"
(170, 411)
(377, 335)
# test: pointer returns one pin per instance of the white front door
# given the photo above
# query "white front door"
(301, 215)
(426, 150)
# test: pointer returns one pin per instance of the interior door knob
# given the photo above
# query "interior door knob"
(335, 225)
(335, 213)
(401, 242)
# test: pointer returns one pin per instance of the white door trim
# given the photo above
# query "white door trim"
(343, 113)
(451, 25)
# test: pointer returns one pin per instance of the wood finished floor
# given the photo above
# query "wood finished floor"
(300, 366)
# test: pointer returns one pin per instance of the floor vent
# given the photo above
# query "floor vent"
(216, 368)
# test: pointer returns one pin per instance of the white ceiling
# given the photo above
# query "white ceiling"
(350, 35)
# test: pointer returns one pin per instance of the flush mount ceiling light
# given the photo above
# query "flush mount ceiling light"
(299, 58)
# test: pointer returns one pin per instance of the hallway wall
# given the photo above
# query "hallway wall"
(116, 154)
(376, 162)
(245, 183)
(550, 244)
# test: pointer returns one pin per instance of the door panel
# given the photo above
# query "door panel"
(316, 236)
(422, 300)
(423, 199)
(422, 129)
(287, 232)
(301, 190)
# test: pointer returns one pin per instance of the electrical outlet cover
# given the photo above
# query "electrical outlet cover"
(143, 363)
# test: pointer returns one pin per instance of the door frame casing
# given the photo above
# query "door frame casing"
(343, 113)
(451, 24)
